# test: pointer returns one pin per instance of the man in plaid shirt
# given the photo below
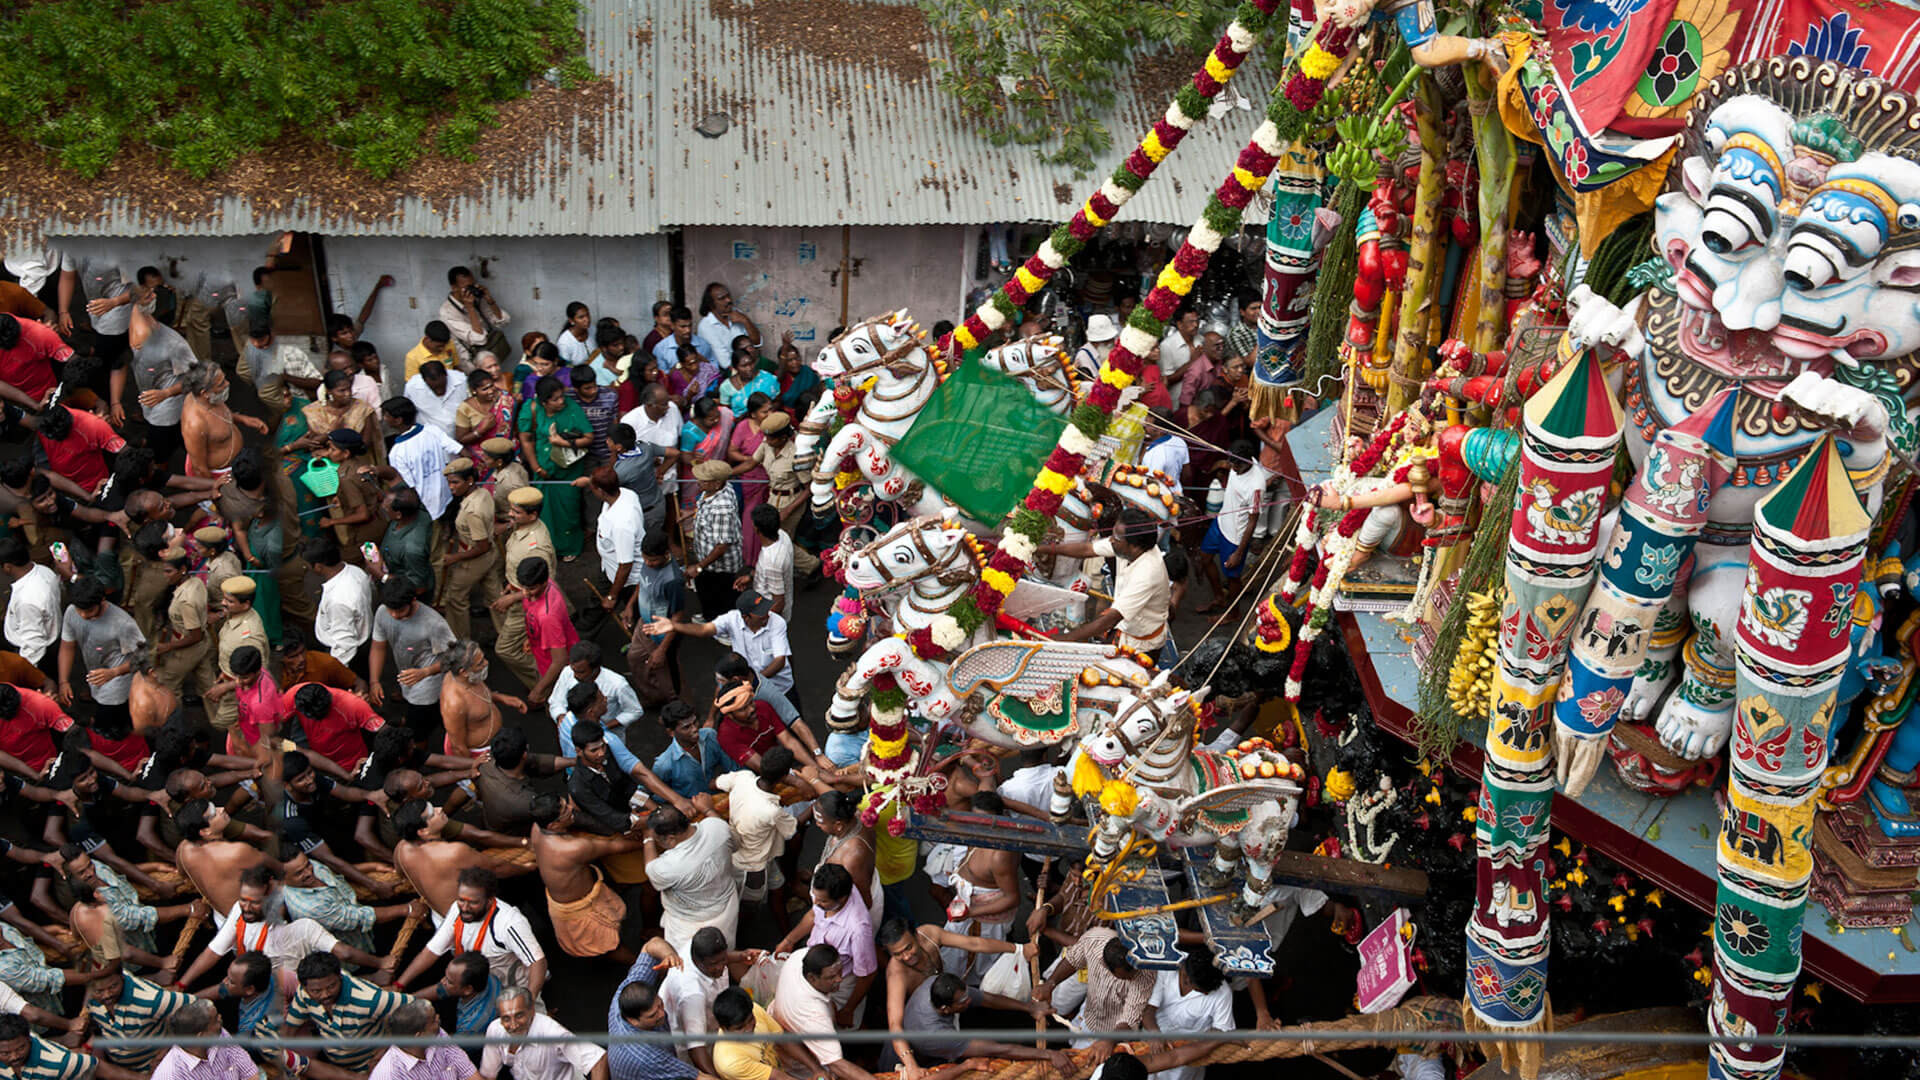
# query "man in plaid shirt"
(1244, 338)
(715, 554)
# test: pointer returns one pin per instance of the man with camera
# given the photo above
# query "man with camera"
(475, 318)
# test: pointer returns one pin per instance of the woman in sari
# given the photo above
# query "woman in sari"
(561, 434)
(545, 361)
(337, 409)
(746, 380)
(692, 377)
(799, 384)
(749, 476)
(704, 437)
(486, 414)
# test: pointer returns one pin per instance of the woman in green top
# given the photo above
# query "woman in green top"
(291, 463)
(266, 551)
(561, 435)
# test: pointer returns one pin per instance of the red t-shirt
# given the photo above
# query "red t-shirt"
(29, 365)
(337, 736)
(741, 743)
(82, 456)
(131, 752)
(29, 735)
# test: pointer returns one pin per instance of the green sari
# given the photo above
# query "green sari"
(268, 543)
(293, 426)
(564, 503)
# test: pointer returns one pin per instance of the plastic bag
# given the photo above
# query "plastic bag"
(761, 979)
(1008, 976)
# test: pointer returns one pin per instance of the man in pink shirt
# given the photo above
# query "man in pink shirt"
(550, 631)
(336, 723)
(838, 918)
(261, 714)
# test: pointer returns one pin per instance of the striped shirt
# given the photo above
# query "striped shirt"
(361, 1010)
(221, 1063)
(48, 1060)
(439, 1063)
(333, 905)
(24, 967)
(136, 919)
(140, 1012)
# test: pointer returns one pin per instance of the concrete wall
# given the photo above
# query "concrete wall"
(785, 278)
(533, 277)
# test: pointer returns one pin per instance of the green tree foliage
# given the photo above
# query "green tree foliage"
(1041, 72)
(207, 81)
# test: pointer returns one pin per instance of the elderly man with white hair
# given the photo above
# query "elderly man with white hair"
(516, 1018)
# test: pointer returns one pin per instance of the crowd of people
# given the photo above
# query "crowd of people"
(252, 717)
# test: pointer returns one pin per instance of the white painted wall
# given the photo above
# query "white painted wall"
(533, 278)
(783, 278)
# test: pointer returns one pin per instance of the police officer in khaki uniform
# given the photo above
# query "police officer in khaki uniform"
(469, 555)
(184, 647)
(241, 625)
(505, 476)
(222, 563)
(526, 536)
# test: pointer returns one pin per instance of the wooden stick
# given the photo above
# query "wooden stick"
(405, 937)
(185, 940)
(1033, 969)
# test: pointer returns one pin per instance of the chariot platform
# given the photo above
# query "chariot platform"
(1669, 841)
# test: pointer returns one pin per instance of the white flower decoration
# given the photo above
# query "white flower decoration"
(1204, 238)
(947, 633)
(991, 316)
(1137, 341)
(1017, 546)
(1076, 443)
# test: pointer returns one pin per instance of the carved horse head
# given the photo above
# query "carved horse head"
(925, 547)
(1039, 362)
(889, 345)
(1158, 722)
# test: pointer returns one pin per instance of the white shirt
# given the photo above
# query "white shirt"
(466, 336)
(11, 1003)
(284, 943)
(1033, 786)
(540, 1061)
(663, 433)
(758, 648)
(1168, 456)
(688, 996)
(1174, 353)
(508, 936)
(696, 884)
(344, 621)
(573, 351)
(773, 572)
(617, 537)
(1189, 1012)
(719, 337)
(420, 456)
(1089, 357)
(1141, 593)
(33, 612)
(623, 705)
(436, 410)
(1245, 491)
(800, 1007)
(33, 268)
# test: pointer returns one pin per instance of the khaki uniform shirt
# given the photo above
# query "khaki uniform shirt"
(240, 630)
(528, 541)
(221, 567)
(187, 611)
(506, 482)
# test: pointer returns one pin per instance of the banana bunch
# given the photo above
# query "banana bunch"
(1364, 134)
(1470, 682)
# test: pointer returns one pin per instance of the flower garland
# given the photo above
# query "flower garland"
(1149, 321)
(1188, 108)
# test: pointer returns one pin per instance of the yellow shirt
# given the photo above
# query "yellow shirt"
(420, 354)
(744, 1060)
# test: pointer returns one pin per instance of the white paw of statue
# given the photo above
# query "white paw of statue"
(1650, 684)
(1848, 408)
(1596, 321)
(1692, 732)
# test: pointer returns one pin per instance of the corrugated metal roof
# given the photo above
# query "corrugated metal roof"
(821, 139)
(608, 192)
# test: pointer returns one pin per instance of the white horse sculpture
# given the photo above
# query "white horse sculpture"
(936, 558)
(891, 351)
(1147, 778)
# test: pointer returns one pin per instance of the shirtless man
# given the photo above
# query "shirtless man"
(468, 709)
(208, 426)
(212, 864)
(915, 954)
(586, 914)
(986, 890)
(149, 702)
(433, 864)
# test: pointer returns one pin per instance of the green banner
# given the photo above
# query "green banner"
(980, 441)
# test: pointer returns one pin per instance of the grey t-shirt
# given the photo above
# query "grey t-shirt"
(105, 641)
(635, 470)
(158, 365)
(412, 642)
(922, 1016)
